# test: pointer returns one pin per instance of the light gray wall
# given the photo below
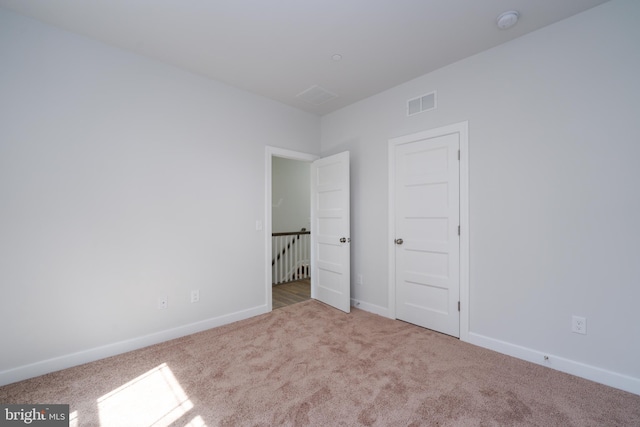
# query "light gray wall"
(121, 180)
(290, 191)
(554, 194)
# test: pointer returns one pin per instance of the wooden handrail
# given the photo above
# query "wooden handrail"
(290, 233)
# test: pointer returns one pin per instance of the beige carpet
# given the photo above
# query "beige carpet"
(309, 364)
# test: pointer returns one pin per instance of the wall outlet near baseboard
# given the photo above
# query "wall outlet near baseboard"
(162, 302)
(195, 295)
(579, 325)
(359, 279)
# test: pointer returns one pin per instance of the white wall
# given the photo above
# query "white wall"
(290, 193)
(123, 179)
(554, 194)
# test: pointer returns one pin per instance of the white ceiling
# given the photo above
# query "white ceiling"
(280, 48)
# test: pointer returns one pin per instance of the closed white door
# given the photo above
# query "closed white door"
(330, 231)
(427, 244)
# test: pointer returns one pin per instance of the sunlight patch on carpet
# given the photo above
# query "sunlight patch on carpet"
(73, 419)
(155, 398)
(196, 422)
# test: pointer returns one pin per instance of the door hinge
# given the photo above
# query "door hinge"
(458, 305)
(458, 154)
(458, 230)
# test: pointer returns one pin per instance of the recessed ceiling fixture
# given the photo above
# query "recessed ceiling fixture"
(507, 19)
(336, 57)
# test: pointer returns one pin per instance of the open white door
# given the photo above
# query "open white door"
(330, 231)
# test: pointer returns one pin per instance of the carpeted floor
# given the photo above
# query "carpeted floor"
(309, 364)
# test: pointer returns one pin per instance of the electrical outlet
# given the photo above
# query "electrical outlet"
(359, 279)
(162, 302)
(195, 295)
(579, 325)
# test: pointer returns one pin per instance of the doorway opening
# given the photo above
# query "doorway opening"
(290, 235)
(329, 194)
(287, 223)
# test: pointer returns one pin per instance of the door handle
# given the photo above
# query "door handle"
(399, 241)
(343, 240)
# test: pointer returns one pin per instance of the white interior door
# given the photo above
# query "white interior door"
(427, 219)
(330, 231)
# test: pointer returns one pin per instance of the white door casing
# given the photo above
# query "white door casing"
(330, 231)
(271, 152)
(428, 202)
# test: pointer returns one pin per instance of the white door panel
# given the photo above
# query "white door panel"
(427, 218)
(330, 241)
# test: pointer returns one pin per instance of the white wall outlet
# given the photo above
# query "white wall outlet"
(579, 325)
(359, 279)
(195, 295)
(258, 226)
(162, 302)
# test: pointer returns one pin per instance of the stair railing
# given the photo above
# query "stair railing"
(291, 256)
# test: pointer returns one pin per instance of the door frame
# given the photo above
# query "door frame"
(461, 128)
(271, 152)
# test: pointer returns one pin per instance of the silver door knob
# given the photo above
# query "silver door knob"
(399, 241)
(343, 240)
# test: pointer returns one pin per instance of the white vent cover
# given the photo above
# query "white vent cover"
(422, 103)
(316, 95)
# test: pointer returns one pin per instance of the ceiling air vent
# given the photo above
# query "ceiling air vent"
(421, 104)
(316, 95)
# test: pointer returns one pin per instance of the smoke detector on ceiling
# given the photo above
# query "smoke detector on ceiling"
(507, 19)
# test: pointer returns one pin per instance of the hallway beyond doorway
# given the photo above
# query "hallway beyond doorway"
(291, 293)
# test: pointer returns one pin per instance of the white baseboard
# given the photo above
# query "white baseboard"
(90, 355)
(593, 373)
(599, 375)
(371, 308)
